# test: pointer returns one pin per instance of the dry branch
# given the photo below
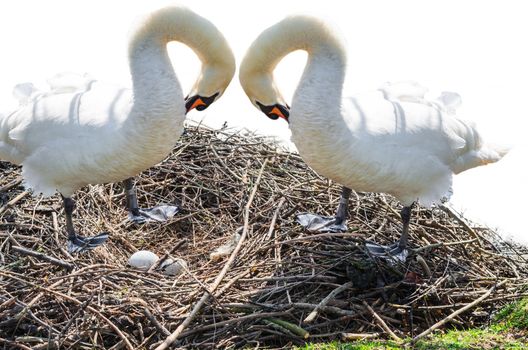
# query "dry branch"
(44, 257)
(382, 323)
(458, 312)
(311, 317)
(172, 338)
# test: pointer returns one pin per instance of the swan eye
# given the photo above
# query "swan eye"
(275, 111)
(199, 102)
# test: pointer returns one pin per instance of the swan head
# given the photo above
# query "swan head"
(178, 23)
(275, 111)
(199, 102)
(212, 82)
(262, 92)
(218, 67)
(299, 32)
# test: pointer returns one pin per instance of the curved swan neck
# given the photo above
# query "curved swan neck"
(326, 57)
(291, 34)
(150, 65)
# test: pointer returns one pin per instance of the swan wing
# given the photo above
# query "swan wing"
(60, 83)
(403, 90)
(66, 82)
(66, 116)
(451, 101)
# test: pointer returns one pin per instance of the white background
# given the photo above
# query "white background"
(476, 48)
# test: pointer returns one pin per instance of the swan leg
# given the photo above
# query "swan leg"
(337, 223)
(76, 243)
(131, 197)
(405, 214)
(396, 251)
(137, 215)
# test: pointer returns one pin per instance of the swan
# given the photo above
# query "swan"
(84, 132)
(392, 140)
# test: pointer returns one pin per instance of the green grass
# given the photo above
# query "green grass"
(508, 331)
(472, 339)
(359, 345)
(514, 316)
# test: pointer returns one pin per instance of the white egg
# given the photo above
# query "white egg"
(174, 267)
(143, 259)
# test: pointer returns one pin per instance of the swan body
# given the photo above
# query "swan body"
(66, 140)
(392, 140)
(409, 149)
(84, 132)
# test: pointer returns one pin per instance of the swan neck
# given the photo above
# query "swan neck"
(152, 73)
(322, 79)
(294, 33)
(326, 59)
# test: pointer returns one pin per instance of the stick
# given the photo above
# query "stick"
(45, 257)
(155, 322)
(76, 301)
(462, 222)
(325, 235)
(172, 338)
(12, 184)
(359, 336)
(301, 332)
(382, 323)
(274, 219)
(217, 325)
(442, 244)
(13, 201)
(458, 312)
(311, 317)
(233, 281)
(425, 267)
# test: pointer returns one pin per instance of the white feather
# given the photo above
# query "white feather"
(85, 132)
(392, 140)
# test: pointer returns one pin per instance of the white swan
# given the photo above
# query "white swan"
(85, 132)
(391, 140)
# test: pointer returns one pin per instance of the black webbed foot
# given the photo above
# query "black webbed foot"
(317, 223)
(394, 252)
(160, 213)
(79, 244)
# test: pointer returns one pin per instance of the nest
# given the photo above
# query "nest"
(277, 286)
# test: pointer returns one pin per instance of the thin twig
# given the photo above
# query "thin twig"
(458, 312)
(382, 323)
(359, 336)
(11, 184)
(44, 257)
(13, 201)
(311, 317)
(74, 300)
(172, 338)
(155, 322)
(274, 218)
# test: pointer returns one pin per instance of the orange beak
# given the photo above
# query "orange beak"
(197, 103)
(276, 111)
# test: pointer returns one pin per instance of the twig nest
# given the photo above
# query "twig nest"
(173, 267)
(143, 259)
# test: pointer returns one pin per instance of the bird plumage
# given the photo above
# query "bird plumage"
(393, 140)
(83, 131)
